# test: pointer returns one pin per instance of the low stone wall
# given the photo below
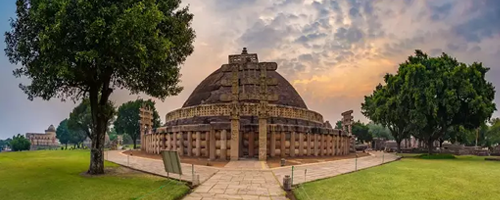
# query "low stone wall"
(214, 141)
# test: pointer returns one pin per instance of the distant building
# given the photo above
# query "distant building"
(45, 140)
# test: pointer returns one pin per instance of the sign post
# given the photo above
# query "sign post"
(172, 162)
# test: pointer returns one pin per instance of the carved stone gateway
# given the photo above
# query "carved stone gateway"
(247, 109)
(145, 123)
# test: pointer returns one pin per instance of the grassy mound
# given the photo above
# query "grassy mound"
(436, 156)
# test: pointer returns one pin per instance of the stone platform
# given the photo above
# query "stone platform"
(250, 179)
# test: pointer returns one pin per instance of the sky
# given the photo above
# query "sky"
(333, 52)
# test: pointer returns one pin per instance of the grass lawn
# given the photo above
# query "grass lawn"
(466, 177)
(58, 175)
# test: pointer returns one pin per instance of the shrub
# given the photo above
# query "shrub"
(437, 156)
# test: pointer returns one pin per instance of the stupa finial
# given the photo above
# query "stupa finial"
(244, 51)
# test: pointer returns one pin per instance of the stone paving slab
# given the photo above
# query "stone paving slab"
(239, 184)
(249, 164)
(243, 179)
(156, 166)
(328, 169)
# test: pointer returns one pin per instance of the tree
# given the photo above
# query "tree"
(112, 134)
(63, 133)
(4, 143)
(379, 131)
(492, 137)
(338, 125)
(389, 107)
(444, 93)
(128, 118)
(361, 131)
(77, 49)
(80, 120)
(20, 143)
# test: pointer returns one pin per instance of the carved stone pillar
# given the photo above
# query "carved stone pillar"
(301, 144)
(223, 144)
(262, 138)
(190, 144)
(174, 136)
(198, 144)
(283, 144)
(316, 144)
(212, 144)
(292, 144)
(309, 145)
(272, 147)
(181, 143)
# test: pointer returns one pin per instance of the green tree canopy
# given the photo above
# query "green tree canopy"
(379, 131)
(389, 107)
(4, 143)
(361, 131)
(76, 49)
(128, 118)
(20, 143)
(80, 120)
(63, 133)
(444, 93)
(338, 125)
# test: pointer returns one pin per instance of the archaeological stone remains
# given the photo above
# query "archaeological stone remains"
(245, 109)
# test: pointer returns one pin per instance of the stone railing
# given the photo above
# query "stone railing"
(247, 109)
(213, 141)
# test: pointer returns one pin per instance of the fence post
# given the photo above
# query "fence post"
(356, 163)
(305, 174)
(383, 154)
(292, 174)
(192, 173)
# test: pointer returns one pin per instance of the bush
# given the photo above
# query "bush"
(437, 156)
(20, 143)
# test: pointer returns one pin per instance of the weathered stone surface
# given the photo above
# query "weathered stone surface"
(210, 90)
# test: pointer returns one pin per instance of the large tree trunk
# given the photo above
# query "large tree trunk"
(398, 142)
(99, 126)
(430, 145)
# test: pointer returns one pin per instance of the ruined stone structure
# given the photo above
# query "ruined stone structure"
(45, 140)
(245, 109)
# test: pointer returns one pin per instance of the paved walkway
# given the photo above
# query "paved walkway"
(323, 170)
(249, 179)
(156, 166)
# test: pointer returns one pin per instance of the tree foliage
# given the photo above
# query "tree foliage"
(80, 120)
(389, 107)
(4, 143)
(445, 93)
(75, 49)
(361, 131)
(128, 118)
(428, 96)
(19, 143)
(63, 133)
(338, 125)
(379, 131)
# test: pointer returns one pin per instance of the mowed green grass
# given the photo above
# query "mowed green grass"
(466, 177)
(58, 175)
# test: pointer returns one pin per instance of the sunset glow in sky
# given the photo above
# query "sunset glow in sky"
(332, 52)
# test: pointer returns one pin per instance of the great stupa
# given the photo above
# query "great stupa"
(246, 109)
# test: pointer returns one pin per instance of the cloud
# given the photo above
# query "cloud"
(483, 23)
(333, 52)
